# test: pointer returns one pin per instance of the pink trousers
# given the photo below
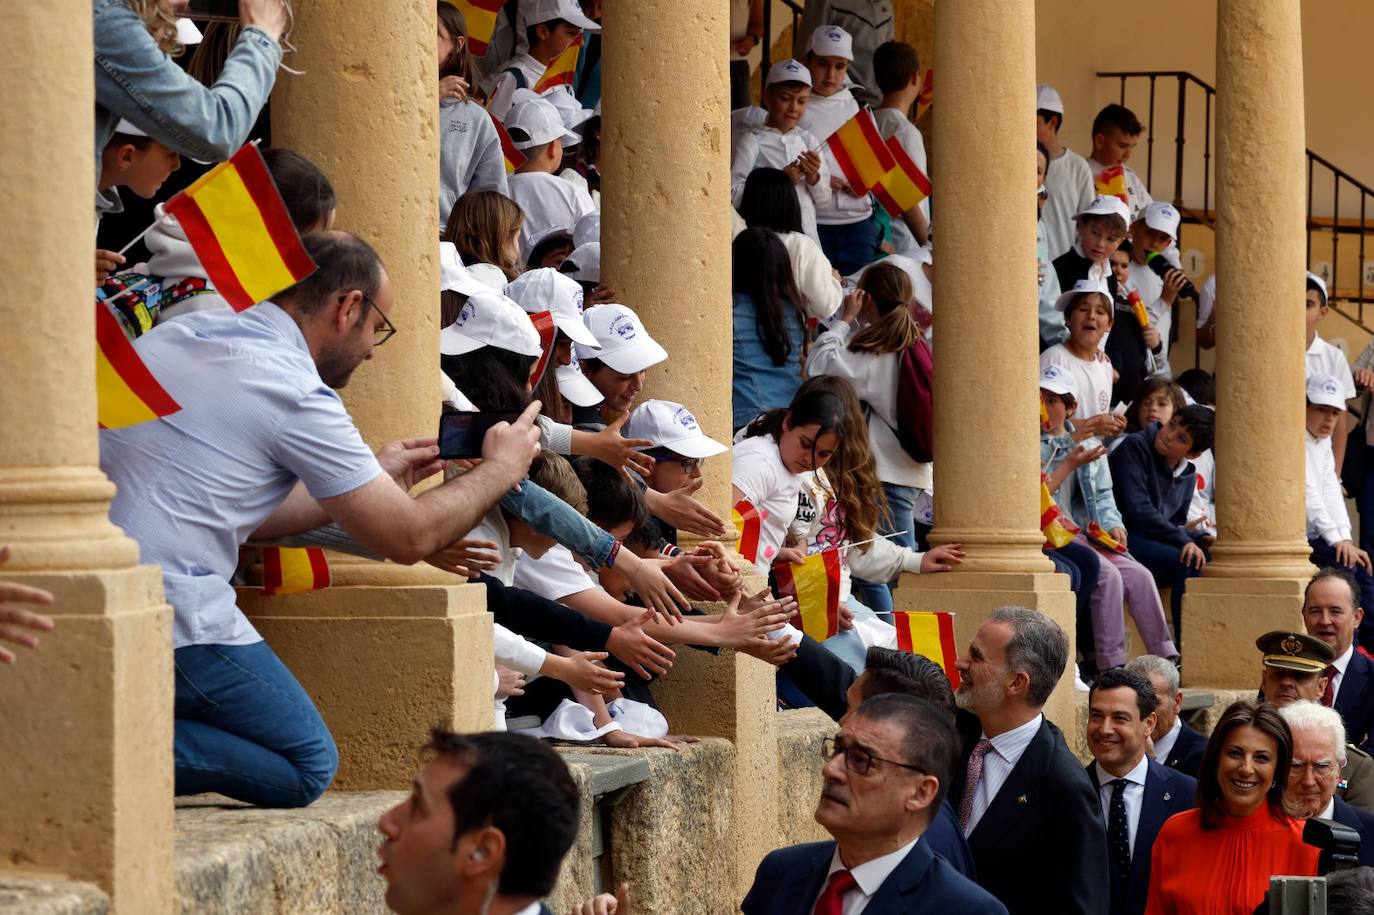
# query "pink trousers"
(1124, 584)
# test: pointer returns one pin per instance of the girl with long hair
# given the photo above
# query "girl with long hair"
(485, 228)
(769, 202)
(769, 328)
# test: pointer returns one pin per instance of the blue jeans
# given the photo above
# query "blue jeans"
(899, 516)
(851, 247)
(245, 728)
(1162, 559)
(1323, 556)
(1085, 566)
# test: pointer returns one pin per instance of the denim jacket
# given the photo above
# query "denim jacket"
(134, 79)
(1092, 498)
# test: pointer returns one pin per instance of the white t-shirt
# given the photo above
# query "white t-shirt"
(1069, 191)
(510, 649)
(1204, 497)
(1092, 379)
(766, 147)
(548, 202)
(555, 575)
(771, 488)
(1137, 198)
(892, 123)
(1325, 359)
(1327, 518)
(825, 115)
(1149, 284)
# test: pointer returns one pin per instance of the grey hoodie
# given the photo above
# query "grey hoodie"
(470, 157)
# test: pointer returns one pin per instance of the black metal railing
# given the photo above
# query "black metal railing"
(1193, 181)
(795, 9)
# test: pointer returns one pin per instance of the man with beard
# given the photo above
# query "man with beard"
(1030, 812)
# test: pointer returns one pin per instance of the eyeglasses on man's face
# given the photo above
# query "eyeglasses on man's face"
(857, 759)
(384, 333)
(1322, 769)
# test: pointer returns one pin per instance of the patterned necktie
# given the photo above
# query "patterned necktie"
(1118, 840)
(832, 897)
(973, 774)
(1329, 696)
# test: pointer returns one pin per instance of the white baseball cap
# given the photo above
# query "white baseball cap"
(489, 275)
(1056, 380)
(188, 33)
(788, 71)
(584, 264)
(574, 386)
(454, 275)
(129, 128)
(1105, 205)
(1047, 99)
(588, 228)
(672, 426)
(568, 10)
(1322, 390)
(1086, 284)
(625, 345)
(1162, 217)
(571, 113)
(545, 289)
(534, 122)
(1321, 284)
(831, 41)
(490, 319)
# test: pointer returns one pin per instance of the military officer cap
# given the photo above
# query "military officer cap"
(1295, 651)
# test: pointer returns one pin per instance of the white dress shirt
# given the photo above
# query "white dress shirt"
(1340, 664)
(1166, 743)
(1007, 750)
(867, 877)
(1133, 796)
(1327, 517)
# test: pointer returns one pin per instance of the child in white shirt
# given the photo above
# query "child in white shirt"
(1325, 359)
(1068, 179)
(556, 25)
(550, 204)
(1116, 130)
(1088, 313)
(1328, 522)
(1155, 231)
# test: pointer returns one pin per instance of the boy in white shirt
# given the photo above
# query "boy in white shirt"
(1068, 178)
(1328, 522)
(898, 72)
(848, 232)
(1325, 359)
(1116, 130)
(780, 143)
(1088, 312)
(1154, 232)
(552, 26)
(549, 203)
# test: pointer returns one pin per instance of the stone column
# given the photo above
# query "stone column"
(1260, 561)
(665, 236)
(987, 467)
(389, 650)
(87, 717)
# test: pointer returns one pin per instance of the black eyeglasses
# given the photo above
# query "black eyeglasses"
(665, 456)
(857, 759)
(384, 333)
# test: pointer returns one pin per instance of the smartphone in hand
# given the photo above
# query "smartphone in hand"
(461, 434)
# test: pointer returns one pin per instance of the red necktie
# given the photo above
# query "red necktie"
(832, 897)
(1329, 696)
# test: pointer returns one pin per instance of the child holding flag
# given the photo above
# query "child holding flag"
(1154, 232)
(1116, 130)
(1133, 337)
(898, 72)
(554, 28)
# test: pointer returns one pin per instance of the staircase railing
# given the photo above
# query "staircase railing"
(795, 9)
(1193, 183)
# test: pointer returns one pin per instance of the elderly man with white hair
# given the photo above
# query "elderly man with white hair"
(1319, 753)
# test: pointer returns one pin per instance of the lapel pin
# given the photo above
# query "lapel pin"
(1021, 799)
(1168, 796)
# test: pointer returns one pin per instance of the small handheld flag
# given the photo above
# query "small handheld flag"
(929, 633)
(748, 522)
(904, 186)
(1096, 532)
(861, 153)
(514, 157)
(480, 18)
(238, 226)
(927, 93)
(287, 570)
(1044, 416)
(560, 72)
(815, 583)
(1054, 524)
(126, 392)
(1111, 182)
(548, 332)
(1138, 309)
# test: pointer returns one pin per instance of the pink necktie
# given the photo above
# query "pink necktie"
(973, 774)
(832, 897)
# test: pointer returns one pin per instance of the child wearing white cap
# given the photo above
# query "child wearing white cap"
(847, 230)
(1088, 313)
(1068, 179)
(550, 204)
(779, 142)
(1323, 358)
(1328, 522)
(678, 446)
(870, 22)
(551, 27)
(1155, 232)
(134, 160)
(897, 70)
(617, 367)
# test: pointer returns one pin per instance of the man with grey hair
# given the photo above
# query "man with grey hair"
(1019, 778)
(1176, 744)
(1319, 754)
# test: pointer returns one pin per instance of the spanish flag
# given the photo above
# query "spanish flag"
(514, 157)
(904, 186)
(815, 583)
(548, 332)
(927, 93)
(236, 221)
(1111, 182)
(1054, 524)
(1044, 415)
(1138, 308)
(126, 392)
(560, 72)
(287, 570)
(748, 521)
(861, 153)
(480, 18)
(931, 634)
(1096, 532)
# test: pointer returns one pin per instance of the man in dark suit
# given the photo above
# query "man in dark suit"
(1029, 810)
(883, 783)
(1319, 754)
(1331, 611)
(1137, 793)
(1175, 743)
(495, 845)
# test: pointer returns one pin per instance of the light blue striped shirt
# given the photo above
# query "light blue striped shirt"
(255, 418)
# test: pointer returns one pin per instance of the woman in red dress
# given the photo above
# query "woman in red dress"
(1217, 858)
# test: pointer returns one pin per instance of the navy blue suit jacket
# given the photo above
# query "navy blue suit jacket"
(1167, 792)
(1186, 755)
(947, 840)
(1361, 822)
(1355, 701)
(789, 880)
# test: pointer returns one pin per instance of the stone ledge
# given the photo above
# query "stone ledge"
(49, 895)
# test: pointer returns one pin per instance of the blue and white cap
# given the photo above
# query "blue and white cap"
(672, 426)
(1162, 217)
(1319, 283)
(490, 319)
(1057, 380)
(625, 345)
(546, 289)
(788, 71)
(1086, 284)
(1325, 391)
(832, 41)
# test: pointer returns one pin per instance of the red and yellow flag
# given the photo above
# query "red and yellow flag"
(904, 186)
(1138, 308)
(126, 392)
(1054, 524)
(1044, 415)
(236, 221)
(480, 18)
(929, 633)
(927, 93)
(514, 157)
(1111, 182)
(815, 583)
(861, 153)
(561, 71)
(748, 521)
(288, 570)
(548, 332)
(1104, 538)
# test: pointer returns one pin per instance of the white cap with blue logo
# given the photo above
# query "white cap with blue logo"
(672, 426)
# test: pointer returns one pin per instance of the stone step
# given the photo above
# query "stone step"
(43, 895)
